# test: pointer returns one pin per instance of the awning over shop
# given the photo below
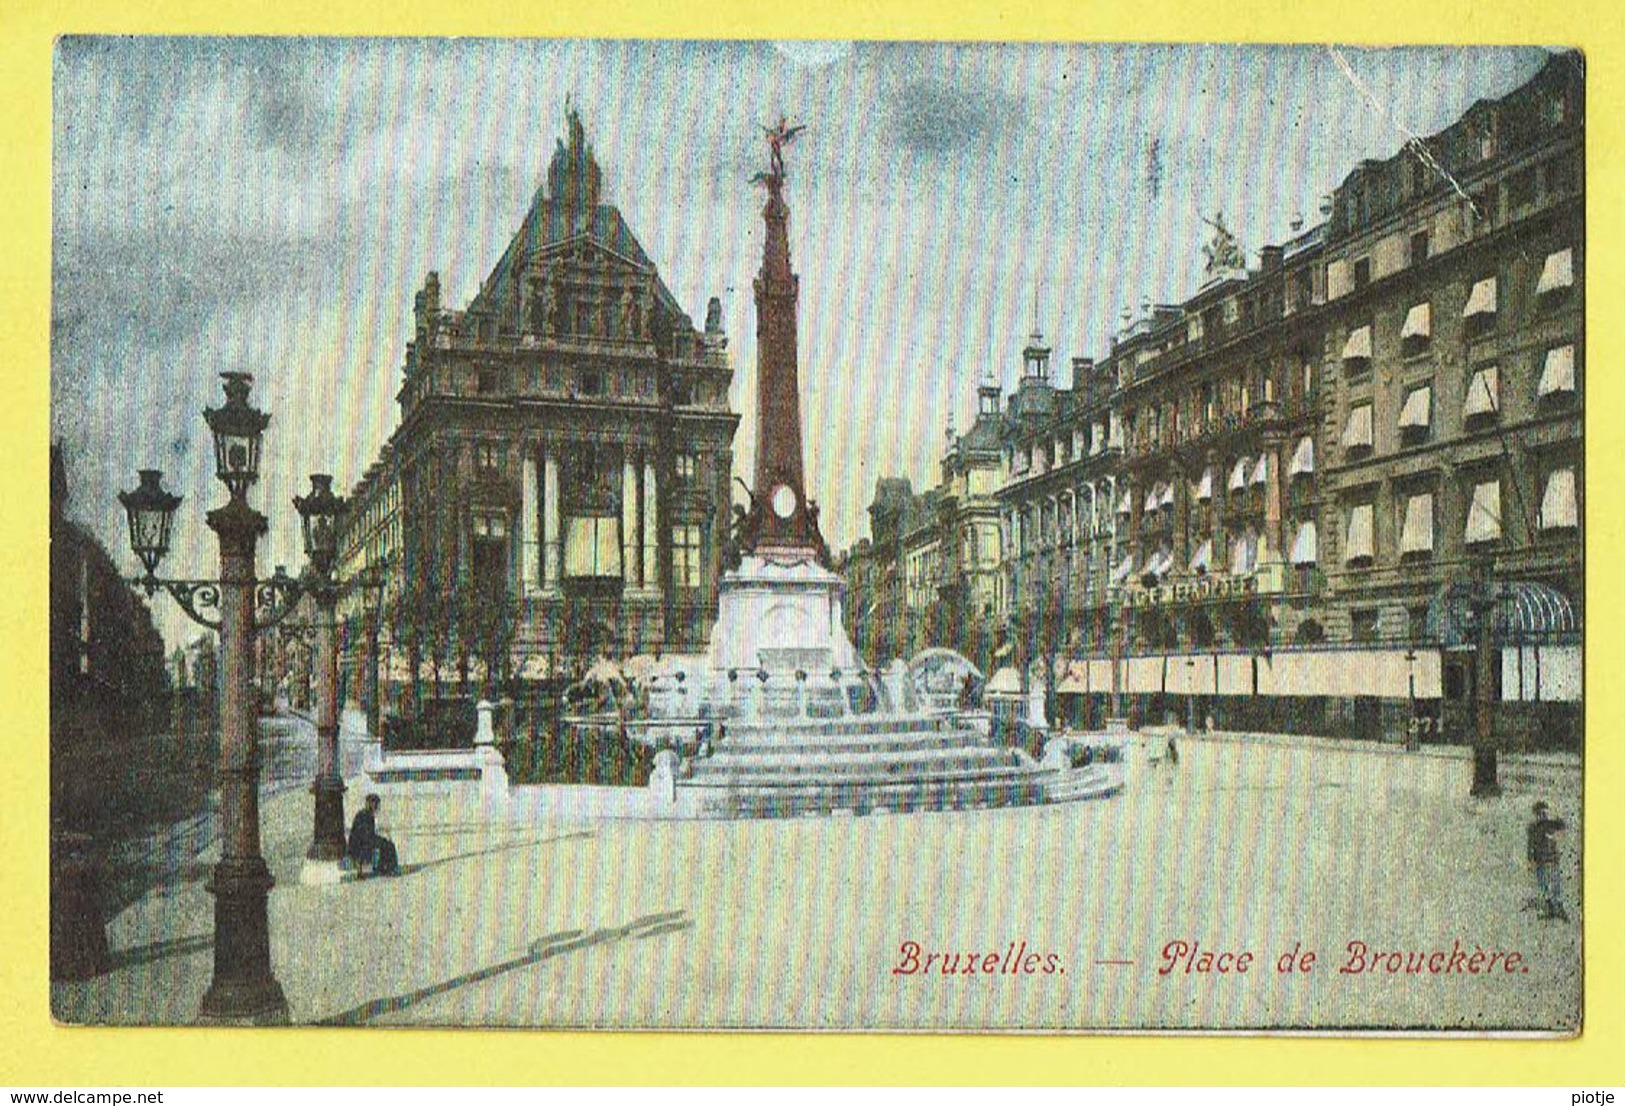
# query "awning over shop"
(1006, 681)
(1557, 375)
(1386, 673)
(1143, 675)
(1190, 675)
(1238, 475)
(1166, 499)
(1125, 506)
(1541, 673)
(1526, 612)
(1204, 490)
(1557, 275)
(1073, 678)
(1261, 470)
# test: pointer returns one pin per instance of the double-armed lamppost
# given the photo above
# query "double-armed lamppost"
(243, 988)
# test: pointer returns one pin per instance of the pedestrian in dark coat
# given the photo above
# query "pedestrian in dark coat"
(367, 846)
(1545, 859)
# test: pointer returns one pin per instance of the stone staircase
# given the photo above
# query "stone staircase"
(889, 765)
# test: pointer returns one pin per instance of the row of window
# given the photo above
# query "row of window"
(1481, 405)
(1415, 529)
(1416, 518)
(592, 546)
(1479, 316)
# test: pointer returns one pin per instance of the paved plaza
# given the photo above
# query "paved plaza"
(1243, 846)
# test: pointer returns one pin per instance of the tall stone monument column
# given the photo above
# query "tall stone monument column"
(779, 516)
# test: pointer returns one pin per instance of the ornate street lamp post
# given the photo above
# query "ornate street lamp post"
(243, 988)
(371, 581)
(1413, 725)
(319, 513)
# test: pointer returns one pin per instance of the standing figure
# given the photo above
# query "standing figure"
(629, 313)
(1544, 858)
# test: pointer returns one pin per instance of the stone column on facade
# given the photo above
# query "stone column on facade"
(629, 521)
(1219, 493)
(1274, 525)
(651, 518)
(529, 524)
(1182, 519)
(1136, 517)
(550, 520)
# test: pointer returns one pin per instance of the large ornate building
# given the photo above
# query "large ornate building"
(557, 487)
(1258, 504)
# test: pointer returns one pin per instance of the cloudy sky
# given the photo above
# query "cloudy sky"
(271, 205)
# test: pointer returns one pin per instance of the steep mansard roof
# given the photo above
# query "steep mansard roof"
(551, 223)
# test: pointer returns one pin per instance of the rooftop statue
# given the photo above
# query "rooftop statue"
(1223, 252)
(779, 135)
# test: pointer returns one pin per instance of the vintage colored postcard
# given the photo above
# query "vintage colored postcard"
(817, 535)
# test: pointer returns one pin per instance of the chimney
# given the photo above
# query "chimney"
(1269, 258)
(1081, 368)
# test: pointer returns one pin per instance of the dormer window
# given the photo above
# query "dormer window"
(1419, 247)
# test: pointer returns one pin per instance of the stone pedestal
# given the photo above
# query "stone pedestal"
(782, 611)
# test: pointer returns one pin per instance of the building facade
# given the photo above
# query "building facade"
(930, 573)
(557, 487)
(1266, 503)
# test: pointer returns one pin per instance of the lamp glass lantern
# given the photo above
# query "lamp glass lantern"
(319, 513)
(238, 428)
(151, 513)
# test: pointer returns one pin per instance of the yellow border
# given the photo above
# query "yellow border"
(34, 1052)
